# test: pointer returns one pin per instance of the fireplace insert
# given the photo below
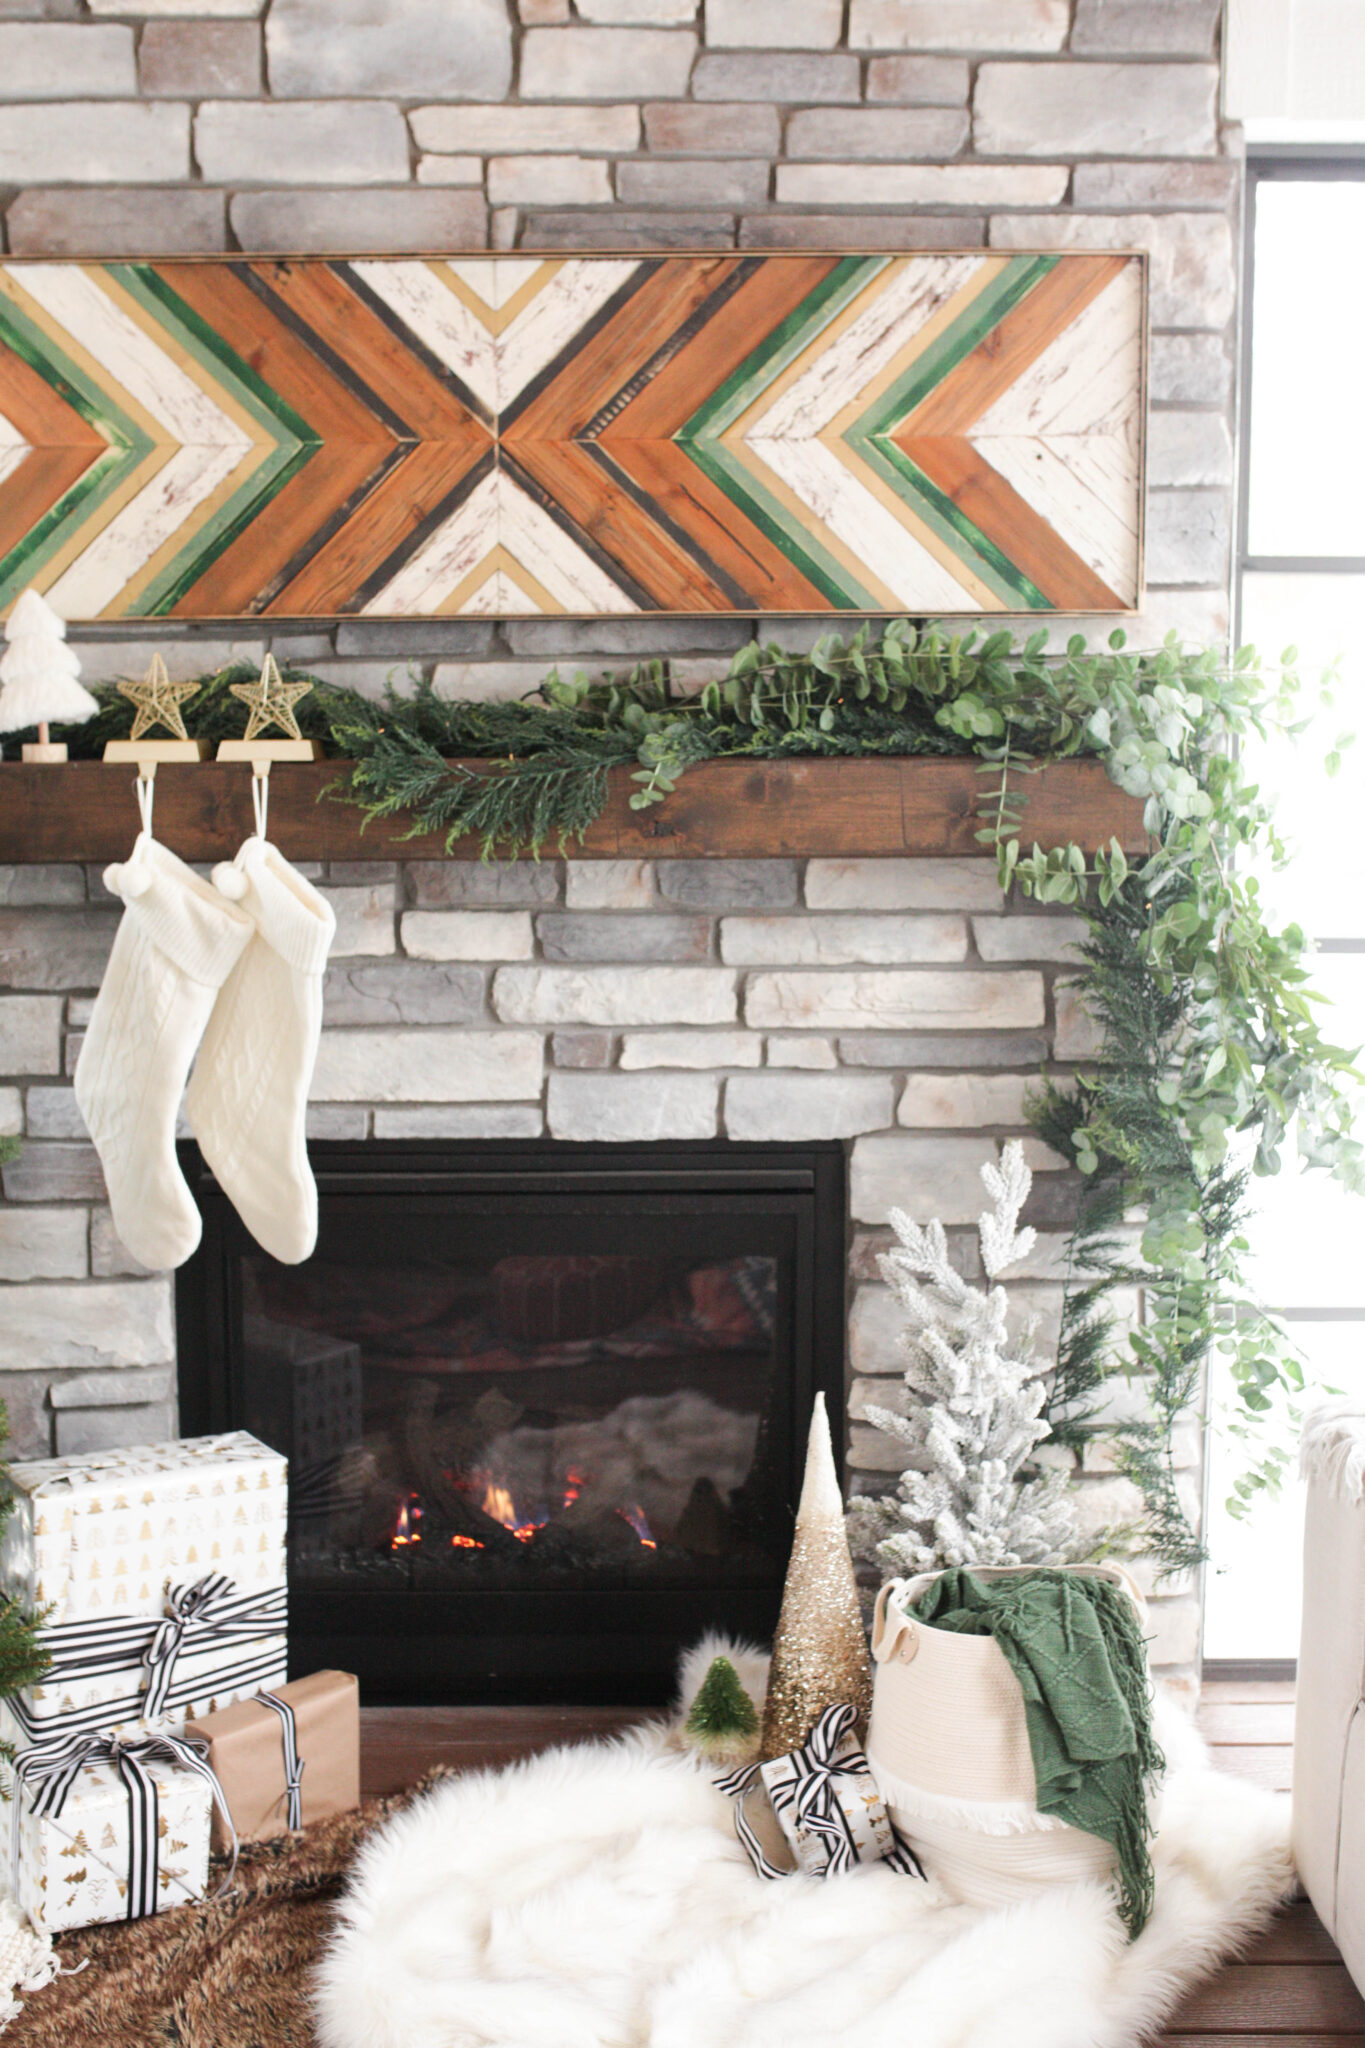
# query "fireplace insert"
(545, 1404)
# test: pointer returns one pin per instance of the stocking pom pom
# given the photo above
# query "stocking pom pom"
(229, 881)
(129, 881)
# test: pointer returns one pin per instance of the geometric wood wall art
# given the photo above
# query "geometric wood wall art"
(515, 435)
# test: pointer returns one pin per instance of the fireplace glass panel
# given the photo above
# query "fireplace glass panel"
(544, 1406)
(485, 1419)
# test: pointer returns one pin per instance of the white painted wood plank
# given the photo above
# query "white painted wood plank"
(496, 279)
(554, 316)
(542, 547)
(161, 511)
(1087, 379)
(10, 436)
(899, 302)
(455, 335)
(456, 548)
(129, 355)
(13, 456)
(499, 598)
(868, 528)
(1085, 487)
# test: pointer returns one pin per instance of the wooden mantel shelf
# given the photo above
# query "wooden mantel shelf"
(84, 811)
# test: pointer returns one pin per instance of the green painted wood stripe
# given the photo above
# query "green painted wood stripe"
(126, 446)
(48, 535)
(952, 525)
(796, 542)
(291, 441)
(213, 539)
(210, 350)
(781, 346)
(956, 342)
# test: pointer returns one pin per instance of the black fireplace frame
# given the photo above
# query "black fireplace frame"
(531, 1647)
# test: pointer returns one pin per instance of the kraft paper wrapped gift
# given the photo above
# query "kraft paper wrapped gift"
(163, 1568)
(101, 1830)
(256, 1754)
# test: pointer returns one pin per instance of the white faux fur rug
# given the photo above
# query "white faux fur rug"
(596, 1897)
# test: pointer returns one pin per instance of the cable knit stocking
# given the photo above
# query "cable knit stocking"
(176, 943)
(248, 1098)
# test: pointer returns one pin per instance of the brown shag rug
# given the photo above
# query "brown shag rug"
(233, 1975)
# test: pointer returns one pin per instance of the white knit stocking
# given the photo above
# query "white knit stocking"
(176, 943)
(248, 1097)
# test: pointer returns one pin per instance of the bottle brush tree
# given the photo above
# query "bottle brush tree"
(973, 1414)
(722, 1721)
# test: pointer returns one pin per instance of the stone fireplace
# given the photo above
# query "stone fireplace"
(894, 1009)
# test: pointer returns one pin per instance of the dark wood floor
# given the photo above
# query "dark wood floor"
(1291, 1992)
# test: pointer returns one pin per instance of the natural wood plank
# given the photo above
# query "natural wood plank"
(398, 1745)
(1257, 1691)
(1241, 1721)
(1263, 2040)
(1294, 1936)
(1301, 1998)
(1271, 1768)
(84, 811)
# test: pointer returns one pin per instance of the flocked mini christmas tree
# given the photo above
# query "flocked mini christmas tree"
(974, 1413)
(38, 674)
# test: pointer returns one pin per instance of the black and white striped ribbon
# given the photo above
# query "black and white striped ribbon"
(211, 1609)
(48, 1771)
(46, 1721)
(293, 1766)
(811, 1795)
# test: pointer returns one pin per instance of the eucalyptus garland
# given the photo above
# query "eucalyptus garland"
(1210, 1049)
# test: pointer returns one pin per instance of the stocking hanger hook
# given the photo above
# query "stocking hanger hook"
(260, 794)
(145, 787)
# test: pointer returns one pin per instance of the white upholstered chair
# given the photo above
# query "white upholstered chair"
(1329, 1728)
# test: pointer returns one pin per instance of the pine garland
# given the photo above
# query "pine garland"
(1211, 1049)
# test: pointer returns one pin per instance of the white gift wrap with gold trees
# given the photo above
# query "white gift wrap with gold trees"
(73, 1869)
(173, 1553)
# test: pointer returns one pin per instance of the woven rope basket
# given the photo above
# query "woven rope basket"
(949, 1748)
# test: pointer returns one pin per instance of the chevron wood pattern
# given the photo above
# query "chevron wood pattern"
(522, 435)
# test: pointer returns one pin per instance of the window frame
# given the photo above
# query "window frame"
(1277, 164)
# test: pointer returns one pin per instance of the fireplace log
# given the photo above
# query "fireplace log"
(436, 1490)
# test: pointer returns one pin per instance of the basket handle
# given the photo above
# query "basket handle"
(886, 1638)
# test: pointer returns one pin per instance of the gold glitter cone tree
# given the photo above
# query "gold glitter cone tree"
(820, 1648)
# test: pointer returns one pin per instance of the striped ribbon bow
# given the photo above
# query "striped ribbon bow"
(808, 1794)
(211, 1607)
(50, 1769)
(293, 1764)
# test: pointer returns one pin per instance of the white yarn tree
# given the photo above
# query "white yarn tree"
(38, 672)
(974, 1413)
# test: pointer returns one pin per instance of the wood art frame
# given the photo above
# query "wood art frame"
(518, 435)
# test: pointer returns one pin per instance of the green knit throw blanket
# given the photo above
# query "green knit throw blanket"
(1075, 1646)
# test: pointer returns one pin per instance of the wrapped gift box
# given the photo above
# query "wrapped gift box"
(254, 1755)
(108, 1532)
(114, 1850)
(109, 1541)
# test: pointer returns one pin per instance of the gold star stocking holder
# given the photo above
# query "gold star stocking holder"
(157, 701)
(270, 701)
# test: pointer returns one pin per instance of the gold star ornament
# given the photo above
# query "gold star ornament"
(158, 701)
(270, 701)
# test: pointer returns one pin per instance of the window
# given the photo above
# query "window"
(1301, 582)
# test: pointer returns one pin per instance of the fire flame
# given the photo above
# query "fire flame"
(635, 1516)
(459, 1542)
(499, 1506)
(408, 1529)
